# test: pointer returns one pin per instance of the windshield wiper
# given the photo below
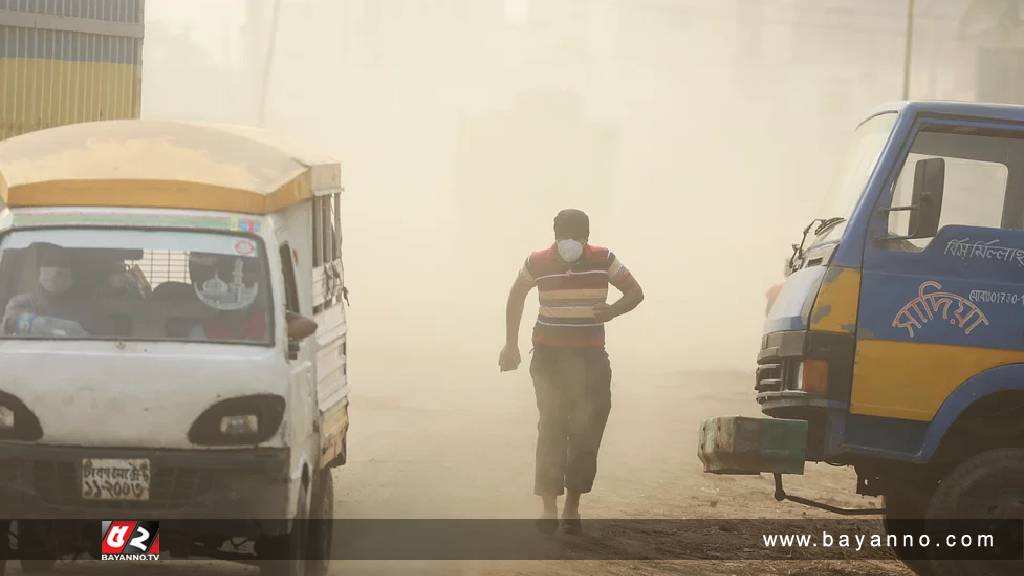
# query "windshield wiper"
(827, 224)
(824, 224)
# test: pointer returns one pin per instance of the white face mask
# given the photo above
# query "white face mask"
(55, 279)
(570, 250)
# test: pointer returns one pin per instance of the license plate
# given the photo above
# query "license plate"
(115, 479)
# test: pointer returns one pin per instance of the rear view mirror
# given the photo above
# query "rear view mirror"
(926, 200)
(299, 327)
(926, 204)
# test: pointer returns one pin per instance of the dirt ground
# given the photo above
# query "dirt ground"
(425, 445)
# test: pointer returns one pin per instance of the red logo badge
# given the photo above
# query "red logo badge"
(130, 540)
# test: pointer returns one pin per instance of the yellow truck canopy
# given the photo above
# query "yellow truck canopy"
(145, 164)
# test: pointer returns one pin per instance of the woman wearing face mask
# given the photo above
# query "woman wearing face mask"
(51, 307)
(570, 368)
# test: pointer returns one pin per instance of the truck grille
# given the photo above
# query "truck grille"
(170, 486)
(777, 375)
(770, 377)
(779, 361)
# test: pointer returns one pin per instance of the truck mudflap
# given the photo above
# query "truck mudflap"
(745, 445)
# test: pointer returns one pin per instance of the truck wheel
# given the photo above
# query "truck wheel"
(321, 513)
(902, 505)
(5, 527)
(37, 536)
(989, 485)
(287, 551)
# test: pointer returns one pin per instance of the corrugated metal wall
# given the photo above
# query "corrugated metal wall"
(68, 61)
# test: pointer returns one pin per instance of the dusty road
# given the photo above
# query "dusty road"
(474, 458)
(425, 445)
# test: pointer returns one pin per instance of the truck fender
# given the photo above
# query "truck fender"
(999, 379)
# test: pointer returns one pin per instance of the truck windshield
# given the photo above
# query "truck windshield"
(855, 169)
(91, 284)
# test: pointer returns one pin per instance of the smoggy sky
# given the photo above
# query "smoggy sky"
(700, 137)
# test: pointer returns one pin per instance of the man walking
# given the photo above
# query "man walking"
(570, 368)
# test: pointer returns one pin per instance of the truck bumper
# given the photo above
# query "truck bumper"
(39, 481)
(743, 445)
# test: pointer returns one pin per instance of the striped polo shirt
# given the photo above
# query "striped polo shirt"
(568, 294)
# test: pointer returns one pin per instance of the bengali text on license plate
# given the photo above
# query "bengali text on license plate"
(115, 479)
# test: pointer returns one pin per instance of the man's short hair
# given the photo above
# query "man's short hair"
(572, 223)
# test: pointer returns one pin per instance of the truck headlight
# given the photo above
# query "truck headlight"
(239, 425)
(239, 421)
(6, 418)
(17, 422)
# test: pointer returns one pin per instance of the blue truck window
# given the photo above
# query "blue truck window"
(977, 170)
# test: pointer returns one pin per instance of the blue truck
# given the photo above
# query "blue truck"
(896, 343)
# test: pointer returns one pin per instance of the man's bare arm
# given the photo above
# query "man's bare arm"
(510, 358)
(514, 311)
(630, 299)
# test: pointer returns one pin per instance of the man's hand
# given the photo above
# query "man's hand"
(604, 312)
(509, 358)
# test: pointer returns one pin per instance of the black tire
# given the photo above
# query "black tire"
(5, 552)
(321, 513)
(287, 552)
(37, 536)
(989, 485)
(906, 508)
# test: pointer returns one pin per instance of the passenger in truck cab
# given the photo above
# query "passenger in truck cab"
(114, 281)
(54, 307)
(228, 284)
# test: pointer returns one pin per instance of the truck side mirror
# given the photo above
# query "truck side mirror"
(926, 204)
(299, 327)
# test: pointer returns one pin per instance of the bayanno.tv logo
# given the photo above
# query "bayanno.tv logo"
(130, 540)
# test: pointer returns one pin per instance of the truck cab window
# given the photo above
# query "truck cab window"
(977, 172)
(123, 284)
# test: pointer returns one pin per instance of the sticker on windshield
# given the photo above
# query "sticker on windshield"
(248, 225)
(222, 294)
(245, 247)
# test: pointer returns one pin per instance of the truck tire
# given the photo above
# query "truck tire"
(37, 536)
(287, 552)
(321, 513)
(989, 485)
(907, 503)
(5, 527)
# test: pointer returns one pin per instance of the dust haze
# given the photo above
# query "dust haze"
(700, 136)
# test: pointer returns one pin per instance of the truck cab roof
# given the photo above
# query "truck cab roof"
(150, 164)
(1002, 112)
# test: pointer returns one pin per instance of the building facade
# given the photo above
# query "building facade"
(69, 61)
